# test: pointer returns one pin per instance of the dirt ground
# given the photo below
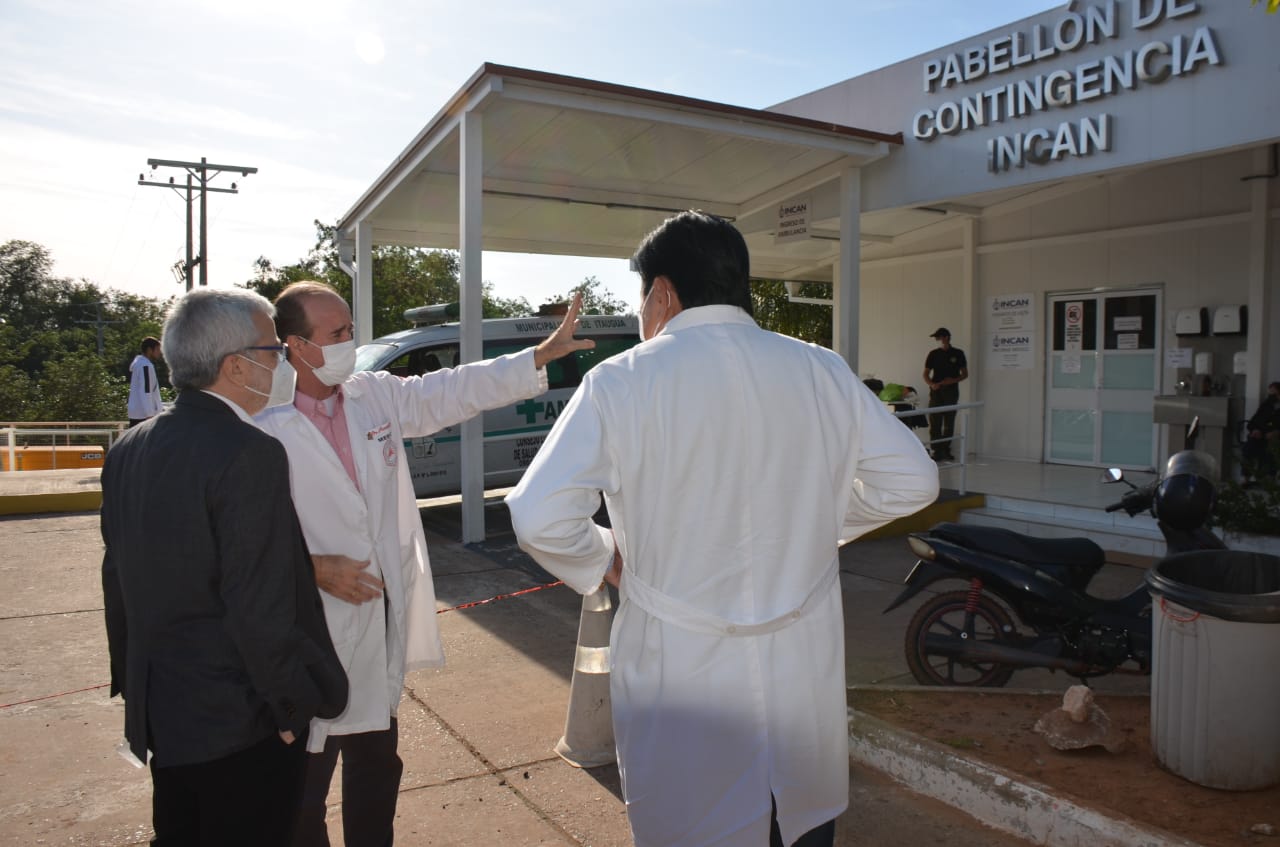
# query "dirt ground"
(998, 728)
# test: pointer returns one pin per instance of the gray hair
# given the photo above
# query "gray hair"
(205, 327)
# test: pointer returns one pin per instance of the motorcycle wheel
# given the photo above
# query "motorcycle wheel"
(946, 615)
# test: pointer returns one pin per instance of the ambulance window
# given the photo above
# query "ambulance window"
(562, 373)
(609, 345)
(422, 360)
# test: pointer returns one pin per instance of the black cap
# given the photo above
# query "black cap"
(941, 331)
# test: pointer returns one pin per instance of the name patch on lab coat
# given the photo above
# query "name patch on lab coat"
(379, 433)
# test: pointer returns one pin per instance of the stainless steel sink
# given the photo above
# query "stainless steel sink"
(1182, 408)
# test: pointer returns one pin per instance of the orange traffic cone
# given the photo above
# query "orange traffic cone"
(588, 727)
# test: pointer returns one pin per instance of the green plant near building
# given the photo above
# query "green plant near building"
(1252, 509)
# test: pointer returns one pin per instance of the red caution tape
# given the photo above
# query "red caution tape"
(500, 597)
(51, 696)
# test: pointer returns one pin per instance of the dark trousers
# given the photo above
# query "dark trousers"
(249, 798)
(823, 835)
(1257, 457)
(371, 772)
(942, 424)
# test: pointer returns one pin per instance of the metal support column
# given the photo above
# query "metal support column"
(1258, 346)
(362, 284)
(470, 222)
(846, 283)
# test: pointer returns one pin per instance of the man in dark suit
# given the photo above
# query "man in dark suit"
(217, 635)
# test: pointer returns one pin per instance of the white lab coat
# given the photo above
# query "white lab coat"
(380, 521)
(144, 389)
(731, 460)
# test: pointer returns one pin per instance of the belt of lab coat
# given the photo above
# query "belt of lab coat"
(681, 614)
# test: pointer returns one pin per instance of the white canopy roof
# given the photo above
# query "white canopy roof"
(579, 167)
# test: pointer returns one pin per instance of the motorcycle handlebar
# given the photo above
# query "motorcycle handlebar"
(1115, 507)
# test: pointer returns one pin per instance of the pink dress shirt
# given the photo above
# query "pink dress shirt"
(330, 417)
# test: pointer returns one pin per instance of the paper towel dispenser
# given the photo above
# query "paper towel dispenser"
(1191, 322)
(1230, 320)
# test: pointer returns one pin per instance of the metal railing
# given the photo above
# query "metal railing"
(14, 432)
(961, 436)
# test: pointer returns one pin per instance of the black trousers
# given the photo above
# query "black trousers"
(823, 835)
(371, 771)
(249, 798)
(942, 424)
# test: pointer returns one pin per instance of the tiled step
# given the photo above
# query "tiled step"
(1113, 531)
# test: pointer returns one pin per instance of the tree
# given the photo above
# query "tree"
(596, 299)
(49, 360)
(403, 278)
(806, 321)
(78, 387)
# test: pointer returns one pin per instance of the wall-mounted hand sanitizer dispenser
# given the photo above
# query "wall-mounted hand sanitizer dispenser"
(1229, 320)
(1191, 322)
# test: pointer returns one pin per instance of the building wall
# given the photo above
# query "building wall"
(1206, 106)
(1082, 241)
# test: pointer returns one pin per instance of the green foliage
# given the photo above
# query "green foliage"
(15, 394)
(403, 278)
(1253, 509)
(806, 321)
(596, 299)
(49, 333)
(78, 387)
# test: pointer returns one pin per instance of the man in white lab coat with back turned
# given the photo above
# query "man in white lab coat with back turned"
(732, 460)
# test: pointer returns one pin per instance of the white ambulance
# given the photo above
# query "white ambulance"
(512, 434)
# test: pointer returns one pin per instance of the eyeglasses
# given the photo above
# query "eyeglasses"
(278, 349)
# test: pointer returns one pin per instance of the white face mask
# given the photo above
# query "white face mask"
(339, 362)
(282, 382)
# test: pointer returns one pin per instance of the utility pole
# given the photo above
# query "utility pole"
(100, 323)
(201, 172)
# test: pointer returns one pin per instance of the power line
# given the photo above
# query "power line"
(201, 172)
(99, 323)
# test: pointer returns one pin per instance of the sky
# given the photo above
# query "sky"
(322, 95)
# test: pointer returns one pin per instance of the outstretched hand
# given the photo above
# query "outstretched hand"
(561, 342)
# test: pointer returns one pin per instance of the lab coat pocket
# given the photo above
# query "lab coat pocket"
(383, 448)
(341, 618)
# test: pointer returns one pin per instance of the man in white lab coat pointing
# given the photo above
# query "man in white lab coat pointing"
(731, 460)
(351, 486)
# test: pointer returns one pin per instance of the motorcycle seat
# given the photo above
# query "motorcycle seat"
(1080, 558)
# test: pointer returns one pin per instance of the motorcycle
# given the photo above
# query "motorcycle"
(1027, 603)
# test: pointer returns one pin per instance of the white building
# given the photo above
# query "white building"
(1064, 193)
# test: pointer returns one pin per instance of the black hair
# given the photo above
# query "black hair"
(705, 258)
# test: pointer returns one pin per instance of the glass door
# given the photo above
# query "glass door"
(1102, 376)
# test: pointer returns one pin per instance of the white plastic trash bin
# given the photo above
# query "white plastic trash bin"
(1215, 679)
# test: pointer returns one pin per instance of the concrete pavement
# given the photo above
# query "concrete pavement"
(476, 736)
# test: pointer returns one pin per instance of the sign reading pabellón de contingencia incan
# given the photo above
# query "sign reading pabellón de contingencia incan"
(1179, 53)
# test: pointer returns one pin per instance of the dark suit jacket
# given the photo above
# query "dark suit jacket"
(216, 631)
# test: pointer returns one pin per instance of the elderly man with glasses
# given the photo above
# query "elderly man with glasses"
(215, 629)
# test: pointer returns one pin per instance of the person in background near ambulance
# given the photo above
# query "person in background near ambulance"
(944, 369)
(345, 437)
(144, 388)
(732, 461)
